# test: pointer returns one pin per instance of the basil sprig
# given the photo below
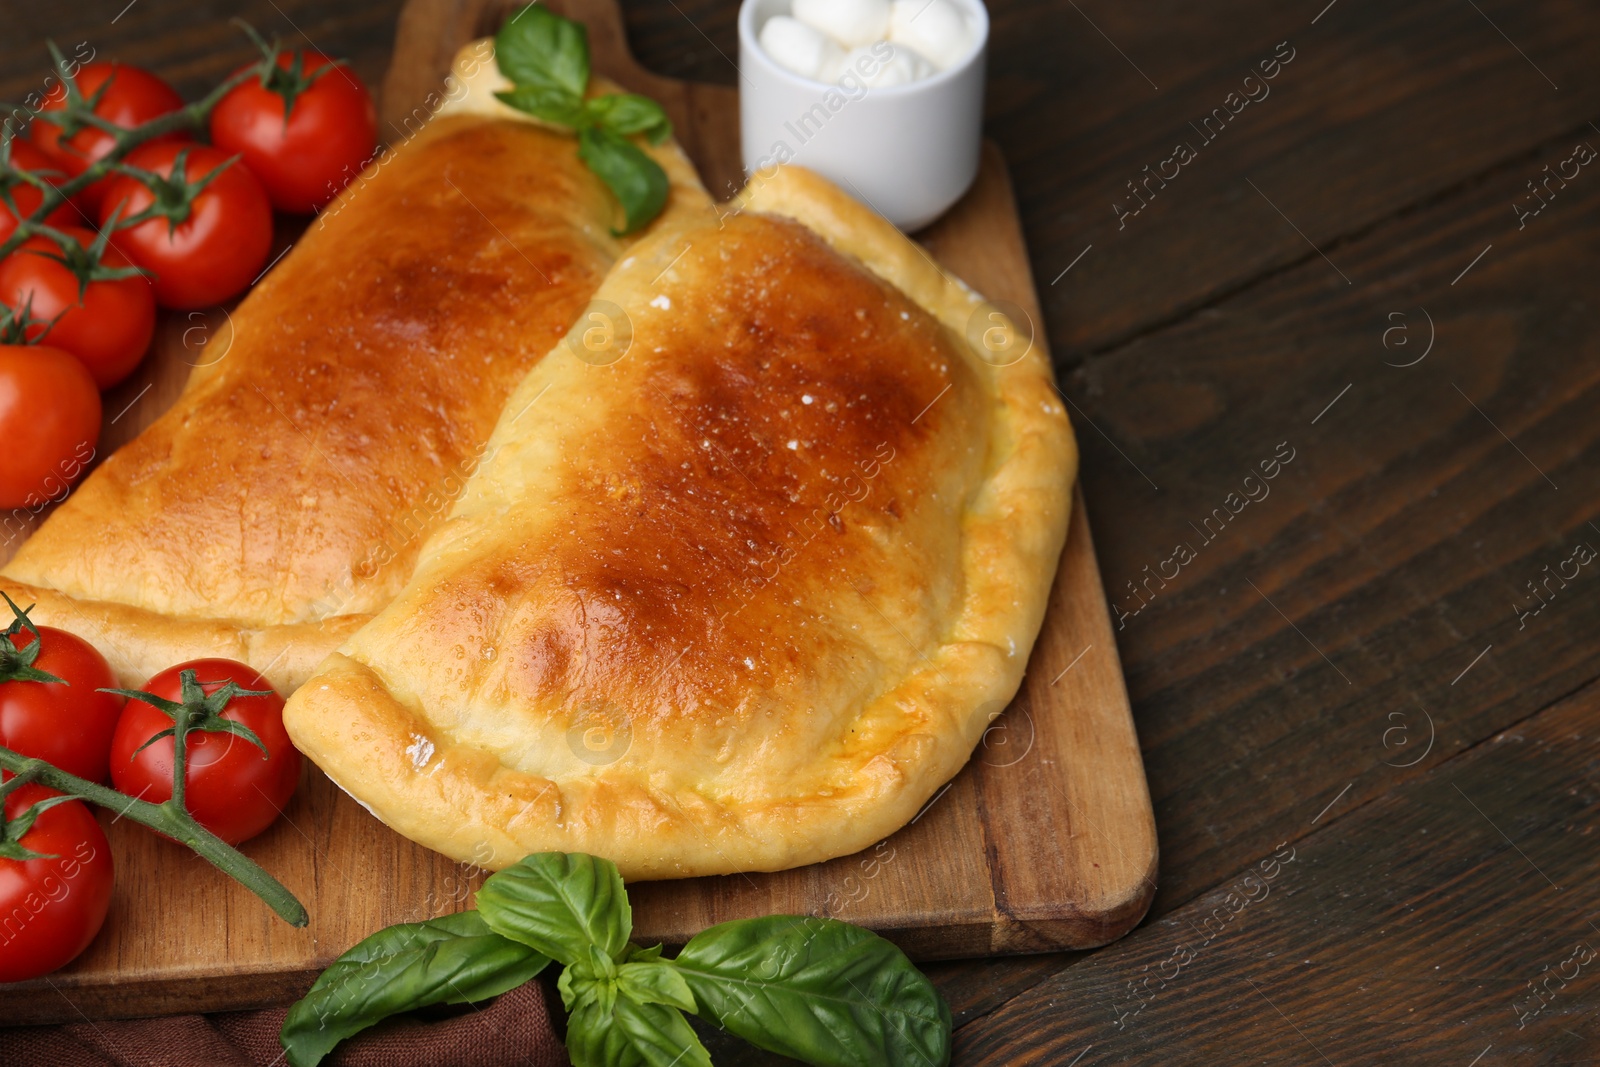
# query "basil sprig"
(546, 58)
(819, 990)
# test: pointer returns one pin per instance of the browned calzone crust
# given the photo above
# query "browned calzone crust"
(740, 600)
(283, 499)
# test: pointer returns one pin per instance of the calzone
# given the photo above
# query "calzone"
(743, 575)
(282, 500)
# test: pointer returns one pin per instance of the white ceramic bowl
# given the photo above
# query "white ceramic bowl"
(908, 151)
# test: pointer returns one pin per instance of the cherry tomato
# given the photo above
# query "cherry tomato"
(108, 326)
(50, 909)
(66, 723)
(132, 98)
(328, 138)
(49, 424)
(26, 156)
(215, 241)
(231, 787)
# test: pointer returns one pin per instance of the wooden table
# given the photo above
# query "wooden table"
(1375, 767)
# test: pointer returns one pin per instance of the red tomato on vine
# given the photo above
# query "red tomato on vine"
(102, 309)
(129, 97)
(27, 198)
(305, 130)
(241, 768)
(55, 882)
(211, 229)
(49, 421)
(49, 705)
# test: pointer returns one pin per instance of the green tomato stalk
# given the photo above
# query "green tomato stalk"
(168, 818)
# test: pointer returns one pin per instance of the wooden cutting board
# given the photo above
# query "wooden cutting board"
(1045, 841)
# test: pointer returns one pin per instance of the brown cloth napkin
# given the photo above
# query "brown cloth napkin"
(512, 1031)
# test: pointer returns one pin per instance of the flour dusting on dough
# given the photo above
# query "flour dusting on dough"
(420, 750)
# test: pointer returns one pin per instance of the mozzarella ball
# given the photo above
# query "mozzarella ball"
(850, 22)
(796, 47)
(902, 67)
(935, 28)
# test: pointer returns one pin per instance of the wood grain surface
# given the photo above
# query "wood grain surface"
(1046, 841)
(1401, 541)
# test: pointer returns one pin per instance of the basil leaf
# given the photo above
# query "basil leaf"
(818, 990)
(454, 959)
(626, 1033)
(560, 904)
(655, 982)
(636, 179)
(635, 954)
(592, 978)
(627, 113)
(538, 48)
(551, 105)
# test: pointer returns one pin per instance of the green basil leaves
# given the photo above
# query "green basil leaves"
(626, 1003)
(819, 990)
(560, 905)
(551, 105)
(631, 1034)
(454, 959)
(627, 113)
(541, 49)
(639, 183)
(546, 58)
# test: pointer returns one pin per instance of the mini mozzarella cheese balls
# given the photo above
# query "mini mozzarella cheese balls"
(936, 29)
(902, 67)
(850, 22)
(797, 47)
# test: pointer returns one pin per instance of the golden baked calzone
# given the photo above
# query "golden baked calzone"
(749, 563)
(282, 500)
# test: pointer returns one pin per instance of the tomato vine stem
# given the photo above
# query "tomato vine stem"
(168, 818)
(80, 112)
